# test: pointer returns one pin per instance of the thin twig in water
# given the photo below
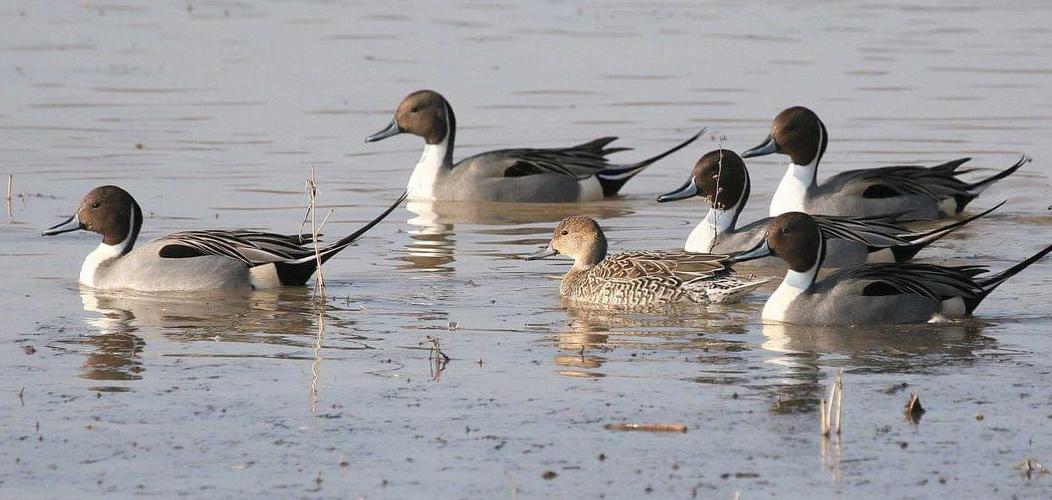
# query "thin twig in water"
(716, 197)
(826, 406)
(315, 366)
(312, 200)
(10, 181)
(646, 427)
(436, 358)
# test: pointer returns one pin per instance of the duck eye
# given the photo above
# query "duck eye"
(565, 232)
(784, 230)
(414, 110)
(94, 204)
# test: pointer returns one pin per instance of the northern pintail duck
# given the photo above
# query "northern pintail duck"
(633, 279)
(191, 260)
(722, 178)
(908, 192)
(576, 173)
(866, 294)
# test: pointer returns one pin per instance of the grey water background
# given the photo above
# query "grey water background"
(213, 113)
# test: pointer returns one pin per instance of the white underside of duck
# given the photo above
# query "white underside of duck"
(591, 190)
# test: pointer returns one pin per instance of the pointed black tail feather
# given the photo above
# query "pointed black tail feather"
(598, 146)
(978, 187)
(613, 178)
(991, 282)
(950, 167)
(925, 238)
(297, 273)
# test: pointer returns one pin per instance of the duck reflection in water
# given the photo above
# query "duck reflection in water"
(125, 320)
(808, 356)
(432, 239)
(599, 329)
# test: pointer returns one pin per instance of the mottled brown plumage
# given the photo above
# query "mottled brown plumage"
(640, 278)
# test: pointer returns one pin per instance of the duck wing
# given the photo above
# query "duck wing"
(925, 280)
(681, 266)
(254, 248)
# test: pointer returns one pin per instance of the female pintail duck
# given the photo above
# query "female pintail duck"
(908, 192)
(721, 177)
(632, 279)
(576, 173)
(191, 260)
(867, 294)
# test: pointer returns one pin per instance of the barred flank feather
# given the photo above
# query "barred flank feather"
(653, 277)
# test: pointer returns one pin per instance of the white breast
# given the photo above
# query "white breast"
(95, 259)
(425, 174)
(794, 284)
(792, 191)
(707, 232)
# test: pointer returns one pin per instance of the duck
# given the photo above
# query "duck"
(909, 192)
(721, 177)
(869, 294)
(190, 260)
(640, 278)
(578, 173)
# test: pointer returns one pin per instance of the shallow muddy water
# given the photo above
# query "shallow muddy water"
(212, 114)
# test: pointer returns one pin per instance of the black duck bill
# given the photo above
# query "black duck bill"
(392, 130)
(67, 226)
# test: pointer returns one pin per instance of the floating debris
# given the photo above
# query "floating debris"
(646, 427)
(549, 475)
(896, 388)
(914, 409)
(1030, 467)
(825, 406)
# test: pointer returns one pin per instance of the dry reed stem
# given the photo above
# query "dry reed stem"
(315, 366)
(826, 406)
(312, 199)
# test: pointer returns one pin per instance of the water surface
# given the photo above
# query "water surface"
(213, 113)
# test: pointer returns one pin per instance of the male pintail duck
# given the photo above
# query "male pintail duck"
(868, 294)
(909, 192)
(721, 177)
(576, 173)
(190, 260)
(633, 279)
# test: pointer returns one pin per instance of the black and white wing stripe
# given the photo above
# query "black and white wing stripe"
(925, 280)
(579, 162)
(251, 247)
(874, 233)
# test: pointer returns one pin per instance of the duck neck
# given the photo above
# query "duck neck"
(707, 233)
(793, 190)
(795, 284)
(436, 160)
(799, 181)
(718, 222)
(106, 253)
